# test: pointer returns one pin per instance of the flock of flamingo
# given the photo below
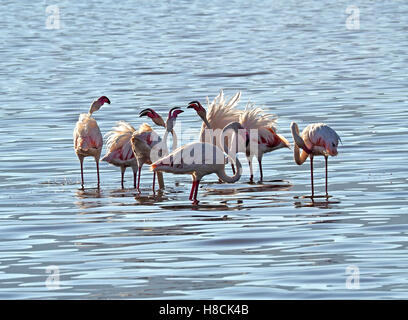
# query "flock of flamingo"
(225, 131)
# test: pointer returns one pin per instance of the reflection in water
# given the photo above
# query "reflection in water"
(88, 195)
(325, 204)
(151, 199)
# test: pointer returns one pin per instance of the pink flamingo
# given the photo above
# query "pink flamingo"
(144, 140)
(317, 139)
(220, 113)
(259, 135)
(197, 159)
(119, 144)
(88, 139)
(119, 149)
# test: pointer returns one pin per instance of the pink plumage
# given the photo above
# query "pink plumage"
(119, 149)
(260, 137)
(87, 136)
(197, 159)
(317, 139)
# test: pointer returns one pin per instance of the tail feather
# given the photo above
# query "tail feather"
(254, 118)
(119, 135)
(220, 113)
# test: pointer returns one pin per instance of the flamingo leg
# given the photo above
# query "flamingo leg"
(251, 179)
(327, 194)
(81, 160)
(260, 169)
(196, 191)
(192, 190)
(311, 173)
(134, 178)
(97, 172)
(154, 179)
(122, 169)
(138, 178)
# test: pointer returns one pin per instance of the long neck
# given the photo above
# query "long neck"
(166, 133)
(223, 176)
(174, 146)
(205, 125)
(299, 158)
(95, 106)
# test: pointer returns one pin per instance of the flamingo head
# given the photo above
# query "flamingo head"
(103, 100)
(196, 105)
(98, 103)
(171, 119)
(331, 148)
(156, 118)
(174, 112)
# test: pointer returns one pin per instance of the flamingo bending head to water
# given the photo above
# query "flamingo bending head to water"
(317, 139)
(197, 159)
(88, 139)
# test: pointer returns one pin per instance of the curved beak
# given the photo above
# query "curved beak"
(174, 112)
(145, 112)
(192, 103)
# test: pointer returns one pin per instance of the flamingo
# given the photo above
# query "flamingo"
(259, 134)
(317, 139)
(88, 139)
(119, 145)
(119, 149)
(218, 116)
(197, 159)
(144, 140)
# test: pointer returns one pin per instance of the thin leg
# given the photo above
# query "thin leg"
(122, 169)
(192, 190)
(327, 194)
(154, 179)
(134, 178)
(81, 160)
(160, 180)
(97, 172)
(260, 169)
(251, 179)
(311, 173)
(196, 191)
(138, 178)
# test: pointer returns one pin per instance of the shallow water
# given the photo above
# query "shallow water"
(243, 241)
